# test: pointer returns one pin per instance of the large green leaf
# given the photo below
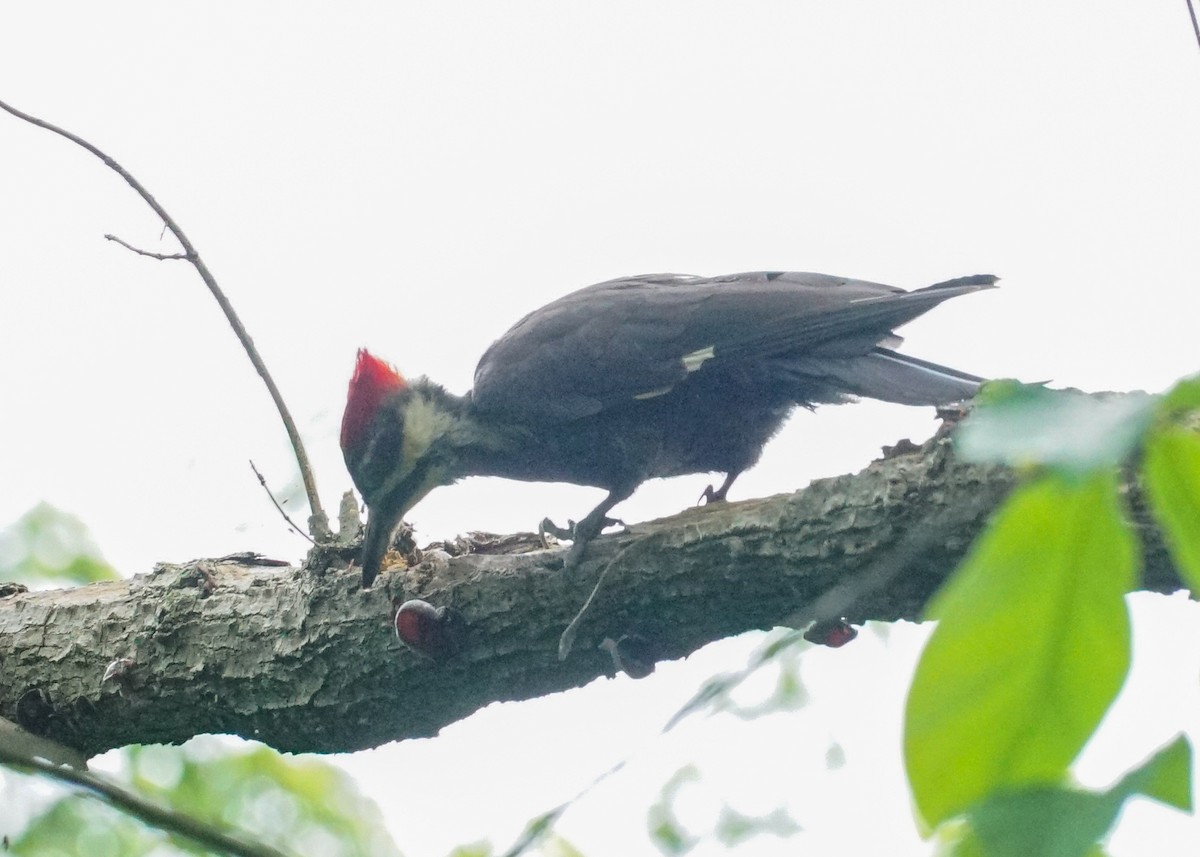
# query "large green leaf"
(1172, 470)
(1027, 424)
(1031, 647)
(1052, 821)
(1046, 821)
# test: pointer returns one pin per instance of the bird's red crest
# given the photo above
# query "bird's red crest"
(373, 381)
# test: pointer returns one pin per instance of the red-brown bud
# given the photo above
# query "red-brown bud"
(834, 633)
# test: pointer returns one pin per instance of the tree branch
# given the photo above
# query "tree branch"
(263, 482)
(139, 807)
(318, 521)
(305, 660)
(162, 257)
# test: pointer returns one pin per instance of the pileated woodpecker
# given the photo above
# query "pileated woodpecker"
(638, 378)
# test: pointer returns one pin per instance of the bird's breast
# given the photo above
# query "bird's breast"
(643, 439)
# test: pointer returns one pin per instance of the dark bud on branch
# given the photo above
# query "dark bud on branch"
(834, 633)
(632, 654)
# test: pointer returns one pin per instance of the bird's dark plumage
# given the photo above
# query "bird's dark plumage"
(643, 377)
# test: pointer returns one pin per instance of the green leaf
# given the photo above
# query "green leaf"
(1043, 822)
(475, 849)
(666, 832)
(1059, 822)
(556, 846)
(668, 836)
(48, 545)
(1026, 424)
(1182, 398)
(733, 828)
(1031, 647)
(1167, 777)
(1172, 470)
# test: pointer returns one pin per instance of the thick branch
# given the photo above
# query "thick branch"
(307, 661)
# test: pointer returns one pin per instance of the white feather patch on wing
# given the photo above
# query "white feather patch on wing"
(693, 361)
(654, 393)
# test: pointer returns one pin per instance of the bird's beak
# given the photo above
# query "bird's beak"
(380, 529)
(384, 516)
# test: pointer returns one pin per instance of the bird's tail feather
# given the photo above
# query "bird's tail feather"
(891, 377)
(892, 310)
(868, 315)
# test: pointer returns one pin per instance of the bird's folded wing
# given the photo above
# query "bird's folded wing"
(639, 337)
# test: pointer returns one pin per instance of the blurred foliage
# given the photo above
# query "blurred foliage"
(666, 831)
(556, 846)
(77, 825)
(1032, 645)
(731, 828)
(1029, 425)
(297, 804)
(782, 652)
(477, 849)
(1033, 637)
(47, 546)
(1182, 400)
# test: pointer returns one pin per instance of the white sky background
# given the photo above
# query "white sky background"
(414, 179)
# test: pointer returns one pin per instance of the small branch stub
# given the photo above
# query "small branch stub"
(162, 257)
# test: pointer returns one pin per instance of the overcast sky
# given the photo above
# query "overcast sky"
(415, 177)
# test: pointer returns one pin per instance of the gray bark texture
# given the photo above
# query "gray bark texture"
(307, 661)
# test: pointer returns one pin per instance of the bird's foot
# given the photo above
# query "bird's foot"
(717, 495)
(582, 531)
(632, 654)
(549, 528)
(579, 533)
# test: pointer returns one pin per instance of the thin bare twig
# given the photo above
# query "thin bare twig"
(567, 640)
(263, 483)
(162, 257)
(151, 813)
(1195, 25)
(318, 521)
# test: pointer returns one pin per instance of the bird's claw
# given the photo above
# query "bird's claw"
(572, 532)
(579, 533)
(549, 528)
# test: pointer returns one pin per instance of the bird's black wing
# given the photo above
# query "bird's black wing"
(639, 337)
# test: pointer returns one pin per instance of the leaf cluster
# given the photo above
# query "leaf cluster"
(1033, 638)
